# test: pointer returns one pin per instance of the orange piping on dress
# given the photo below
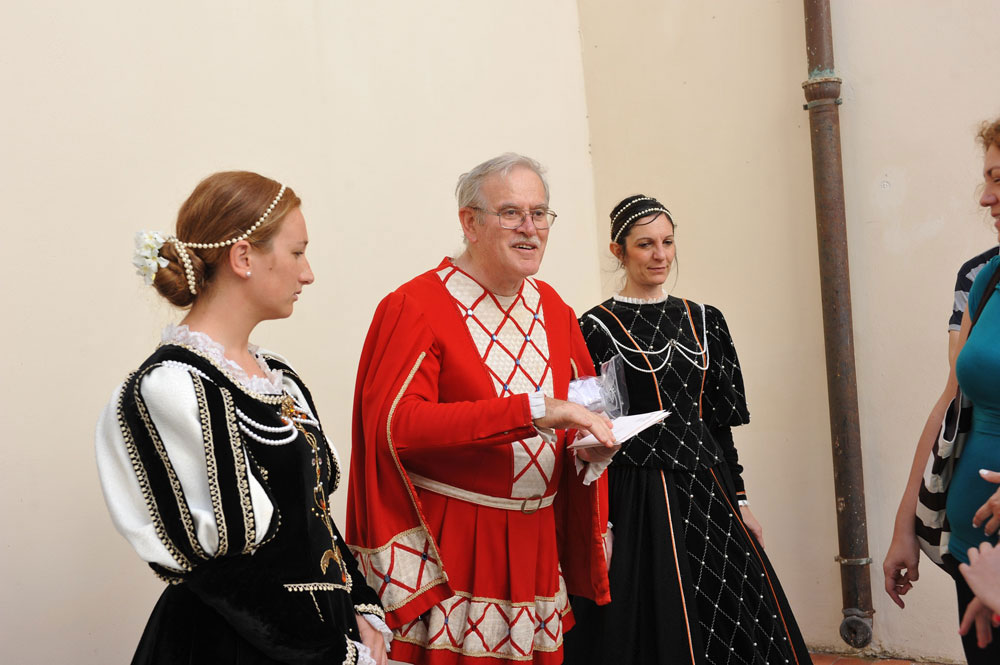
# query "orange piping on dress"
(673, 544)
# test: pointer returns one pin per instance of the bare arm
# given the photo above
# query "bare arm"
(953, 345)
(908, 504)
(902, 559)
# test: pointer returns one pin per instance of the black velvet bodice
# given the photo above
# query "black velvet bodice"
(295, 593)
(680, 357)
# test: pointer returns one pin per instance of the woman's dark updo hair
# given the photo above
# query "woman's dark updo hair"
(222, 206)
(629, 211)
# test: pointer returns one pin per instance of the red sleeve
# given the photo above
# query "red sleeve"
(420, 421)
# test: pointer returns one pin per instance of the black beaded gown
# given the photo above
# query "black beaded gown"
(689, 583)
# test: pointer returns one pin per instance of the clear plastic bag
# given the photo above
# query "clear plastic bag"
(606, 392)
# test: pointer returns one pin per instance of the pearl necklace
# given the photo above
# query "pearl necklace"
(288, 425)
(697, 358)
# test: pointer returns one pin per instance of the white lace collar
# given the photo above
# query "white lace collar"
(641, 301)
(269, 384)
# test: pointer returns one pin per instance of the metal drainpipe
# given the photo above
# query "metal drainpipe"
(822, 91)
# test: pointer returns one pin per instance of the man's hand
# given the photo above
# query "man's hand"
(567, 415)
(983, 574)
(989, 512)
(901, 564)
(372, 639)
(597, 453)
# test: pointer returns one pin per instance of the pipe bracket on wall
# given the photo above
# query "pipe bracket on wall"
(822, 102)
(816, 80)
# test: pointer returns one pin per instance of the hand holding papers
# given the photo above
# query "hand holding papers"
(624, 428)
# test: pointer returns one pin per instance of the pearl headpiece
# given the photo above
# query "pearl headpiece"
(148, 264)
(633, 208)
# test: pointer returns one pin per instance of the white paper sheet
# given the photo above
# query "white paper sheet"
(624, 428)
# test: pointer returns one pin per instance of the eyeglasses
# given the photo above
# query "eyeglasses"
(512, 218)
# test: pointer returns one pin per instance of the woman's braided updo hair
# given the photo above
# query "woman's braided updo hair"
(222, 206)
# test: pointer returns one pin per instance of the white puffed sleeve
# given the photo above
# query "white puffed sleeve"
(169, 395)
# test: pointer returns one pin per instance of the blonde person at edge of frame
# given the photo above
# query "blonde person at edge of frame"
(973, 503)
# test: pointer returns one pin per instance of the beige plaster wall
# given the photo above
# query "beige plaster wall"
(700, 105)
(114, 110)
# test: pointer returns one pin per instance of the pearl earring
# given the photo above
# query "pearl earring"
(248, 273)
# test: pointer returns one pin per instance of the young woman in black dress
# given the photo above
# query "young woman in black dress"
(690, 582)
(212, 459)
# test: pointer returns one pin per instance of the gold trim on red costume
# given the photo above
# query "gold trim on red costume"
(490, 627)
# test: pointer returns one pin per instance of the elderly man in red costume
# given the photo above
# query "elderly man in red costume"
(466, 511)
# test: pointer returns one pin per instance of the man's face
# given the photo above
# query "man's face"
(510, 255)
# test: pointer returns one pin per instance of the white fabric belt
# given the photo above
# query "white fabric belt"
(526, 506)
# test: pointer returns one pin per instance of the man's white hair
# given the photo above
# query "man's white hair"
(469, 188)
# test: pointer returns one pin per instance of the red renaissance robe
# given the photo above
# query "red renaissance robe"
(442, 427)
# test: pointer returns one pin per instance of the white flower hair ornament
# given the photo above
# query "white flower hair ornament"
(148, 243)
(147, 259)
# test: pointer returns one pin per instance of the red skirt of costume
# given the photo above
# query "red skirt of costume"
(471, 526)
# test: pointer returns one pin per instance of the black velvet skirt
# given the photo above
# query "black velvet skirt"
(182, 630)
(689, 584)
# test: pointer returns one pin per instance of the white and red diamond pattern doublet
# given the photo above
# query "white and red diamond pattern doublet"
(509, 332)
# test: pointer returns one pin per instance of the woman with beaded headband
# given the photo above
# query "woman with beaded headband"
(212, 459)
(690, 582)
